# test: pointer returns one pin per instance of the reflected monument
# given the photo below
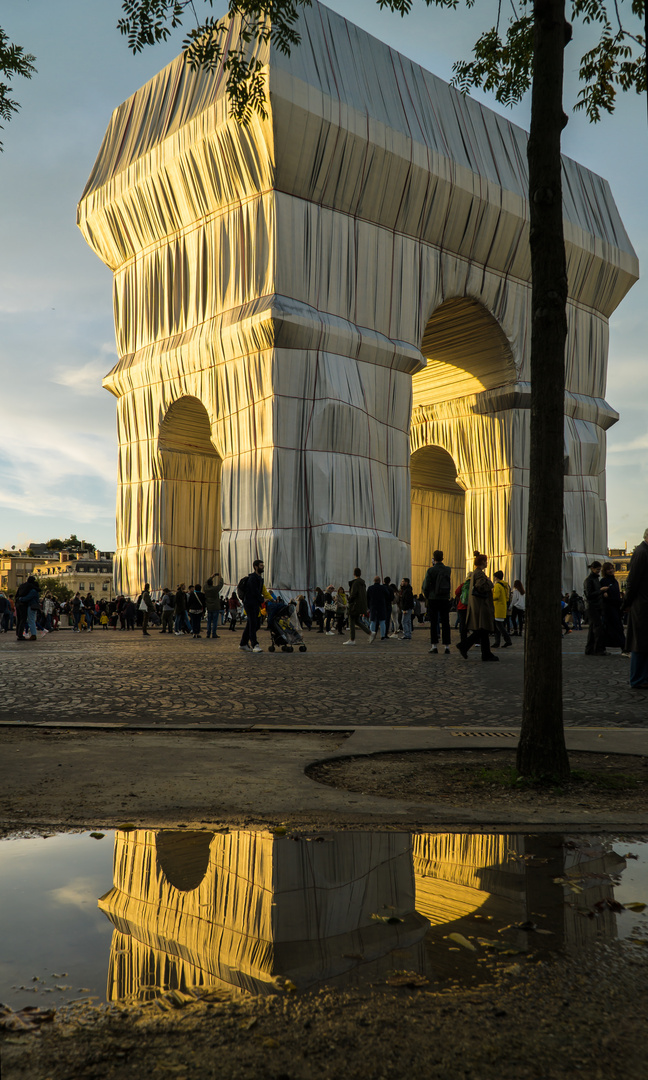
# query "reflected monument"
(248, 911)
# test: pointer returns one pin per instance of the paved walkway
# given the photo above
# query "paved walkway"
(124, 678)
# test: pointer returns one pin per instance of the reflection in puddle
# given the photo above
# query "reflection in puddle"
(249, 911)
(265, 907)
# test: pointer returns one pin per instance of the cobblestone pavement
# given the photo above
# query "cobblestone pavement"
(123, 677)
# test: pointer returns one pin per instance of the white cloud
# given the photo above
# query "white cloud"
(639, 443)
(86, 380)
(79, 892)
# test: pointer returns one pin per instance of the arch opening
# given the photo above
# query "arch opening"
(190, 504)
(183, 857)
(467, 353)
(438, 510)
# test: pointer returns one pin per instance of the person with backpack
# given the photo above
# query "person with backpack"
(436, 589)
(254, 593)
(481, 617)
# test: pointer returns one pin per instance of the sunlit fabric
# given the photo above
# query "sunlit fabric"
(304, 303)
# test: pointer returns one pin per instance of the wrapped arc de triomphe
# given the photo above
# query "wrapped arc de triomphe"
(323, 323)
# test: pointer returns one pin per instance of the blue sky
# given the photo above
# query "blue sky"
(58, 455)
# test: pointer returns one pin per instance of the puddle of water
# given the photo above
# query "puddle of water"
(140, 912)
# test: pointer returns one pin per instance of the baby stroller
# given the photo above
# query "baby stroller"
(283, 626)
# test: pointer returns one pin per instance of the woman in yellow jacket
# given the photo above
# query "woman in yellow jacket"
(501, 593)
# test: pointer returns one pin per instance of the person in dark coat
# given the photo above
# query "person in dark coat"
(436, 590)
(481, 613)
(636, 604)
(212, 603)
(613, 623)
(595, 645)
(357, 605)
(254, 596)
(379, 603)
(26, 603)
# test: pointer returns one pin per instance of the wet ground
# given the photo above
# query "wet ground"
(141, 915)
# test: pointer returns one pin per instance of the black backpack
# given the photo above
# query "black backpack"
(241, 588)
(442, 584)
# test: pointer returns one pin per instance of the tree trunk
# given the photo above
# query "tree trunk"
(542, 741)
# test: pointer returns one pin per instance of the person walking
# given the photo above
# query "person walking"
(595, 645)
(357, 606)
(407, 607)
(213, 603)
(303, 613)
(481, 618)
(330, 609)
(518, 605)
(436, 590)
(145, 605)
(253, 598)
(636, 604)
(501, 593)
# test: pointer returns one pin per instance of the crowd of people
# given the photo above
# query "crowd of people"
(485, 608)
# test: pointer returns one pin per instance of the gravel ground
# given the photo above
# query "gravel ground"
(545, 1021)
(481, 780)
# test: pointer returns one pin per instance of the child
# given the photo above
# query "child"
(103, 619)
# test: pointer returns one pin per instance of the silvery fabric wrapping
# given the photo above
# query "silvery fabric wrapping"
(278, 290)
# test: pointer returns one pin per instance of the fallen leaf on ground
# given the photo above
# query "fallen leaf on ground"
(461, 940)
(406, 978)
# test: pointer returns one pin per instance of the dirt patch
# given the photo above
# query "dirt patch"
(547, 1021)
(486, 779)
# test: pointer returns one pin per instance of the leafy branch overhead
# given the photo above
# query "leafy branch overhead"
(13, 61)
(501, 63)
(147, 22)
(502, 55)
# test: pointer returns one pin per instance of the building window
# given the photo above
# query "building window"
(91, 586)
(81, 587)
(105, 586)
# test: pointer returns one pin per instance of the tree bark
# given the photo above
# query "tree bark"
(542, 741)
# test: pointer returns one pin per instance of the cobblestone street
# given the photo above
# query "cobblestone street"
(121, 677)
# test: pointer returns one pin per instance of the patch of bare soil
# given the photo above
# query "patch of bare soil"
(538, 1021)
(487, 779)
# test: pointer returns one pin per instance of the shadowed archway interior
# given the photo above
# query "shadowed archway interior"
(437, 512)
(190, 469)
(460, 460)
